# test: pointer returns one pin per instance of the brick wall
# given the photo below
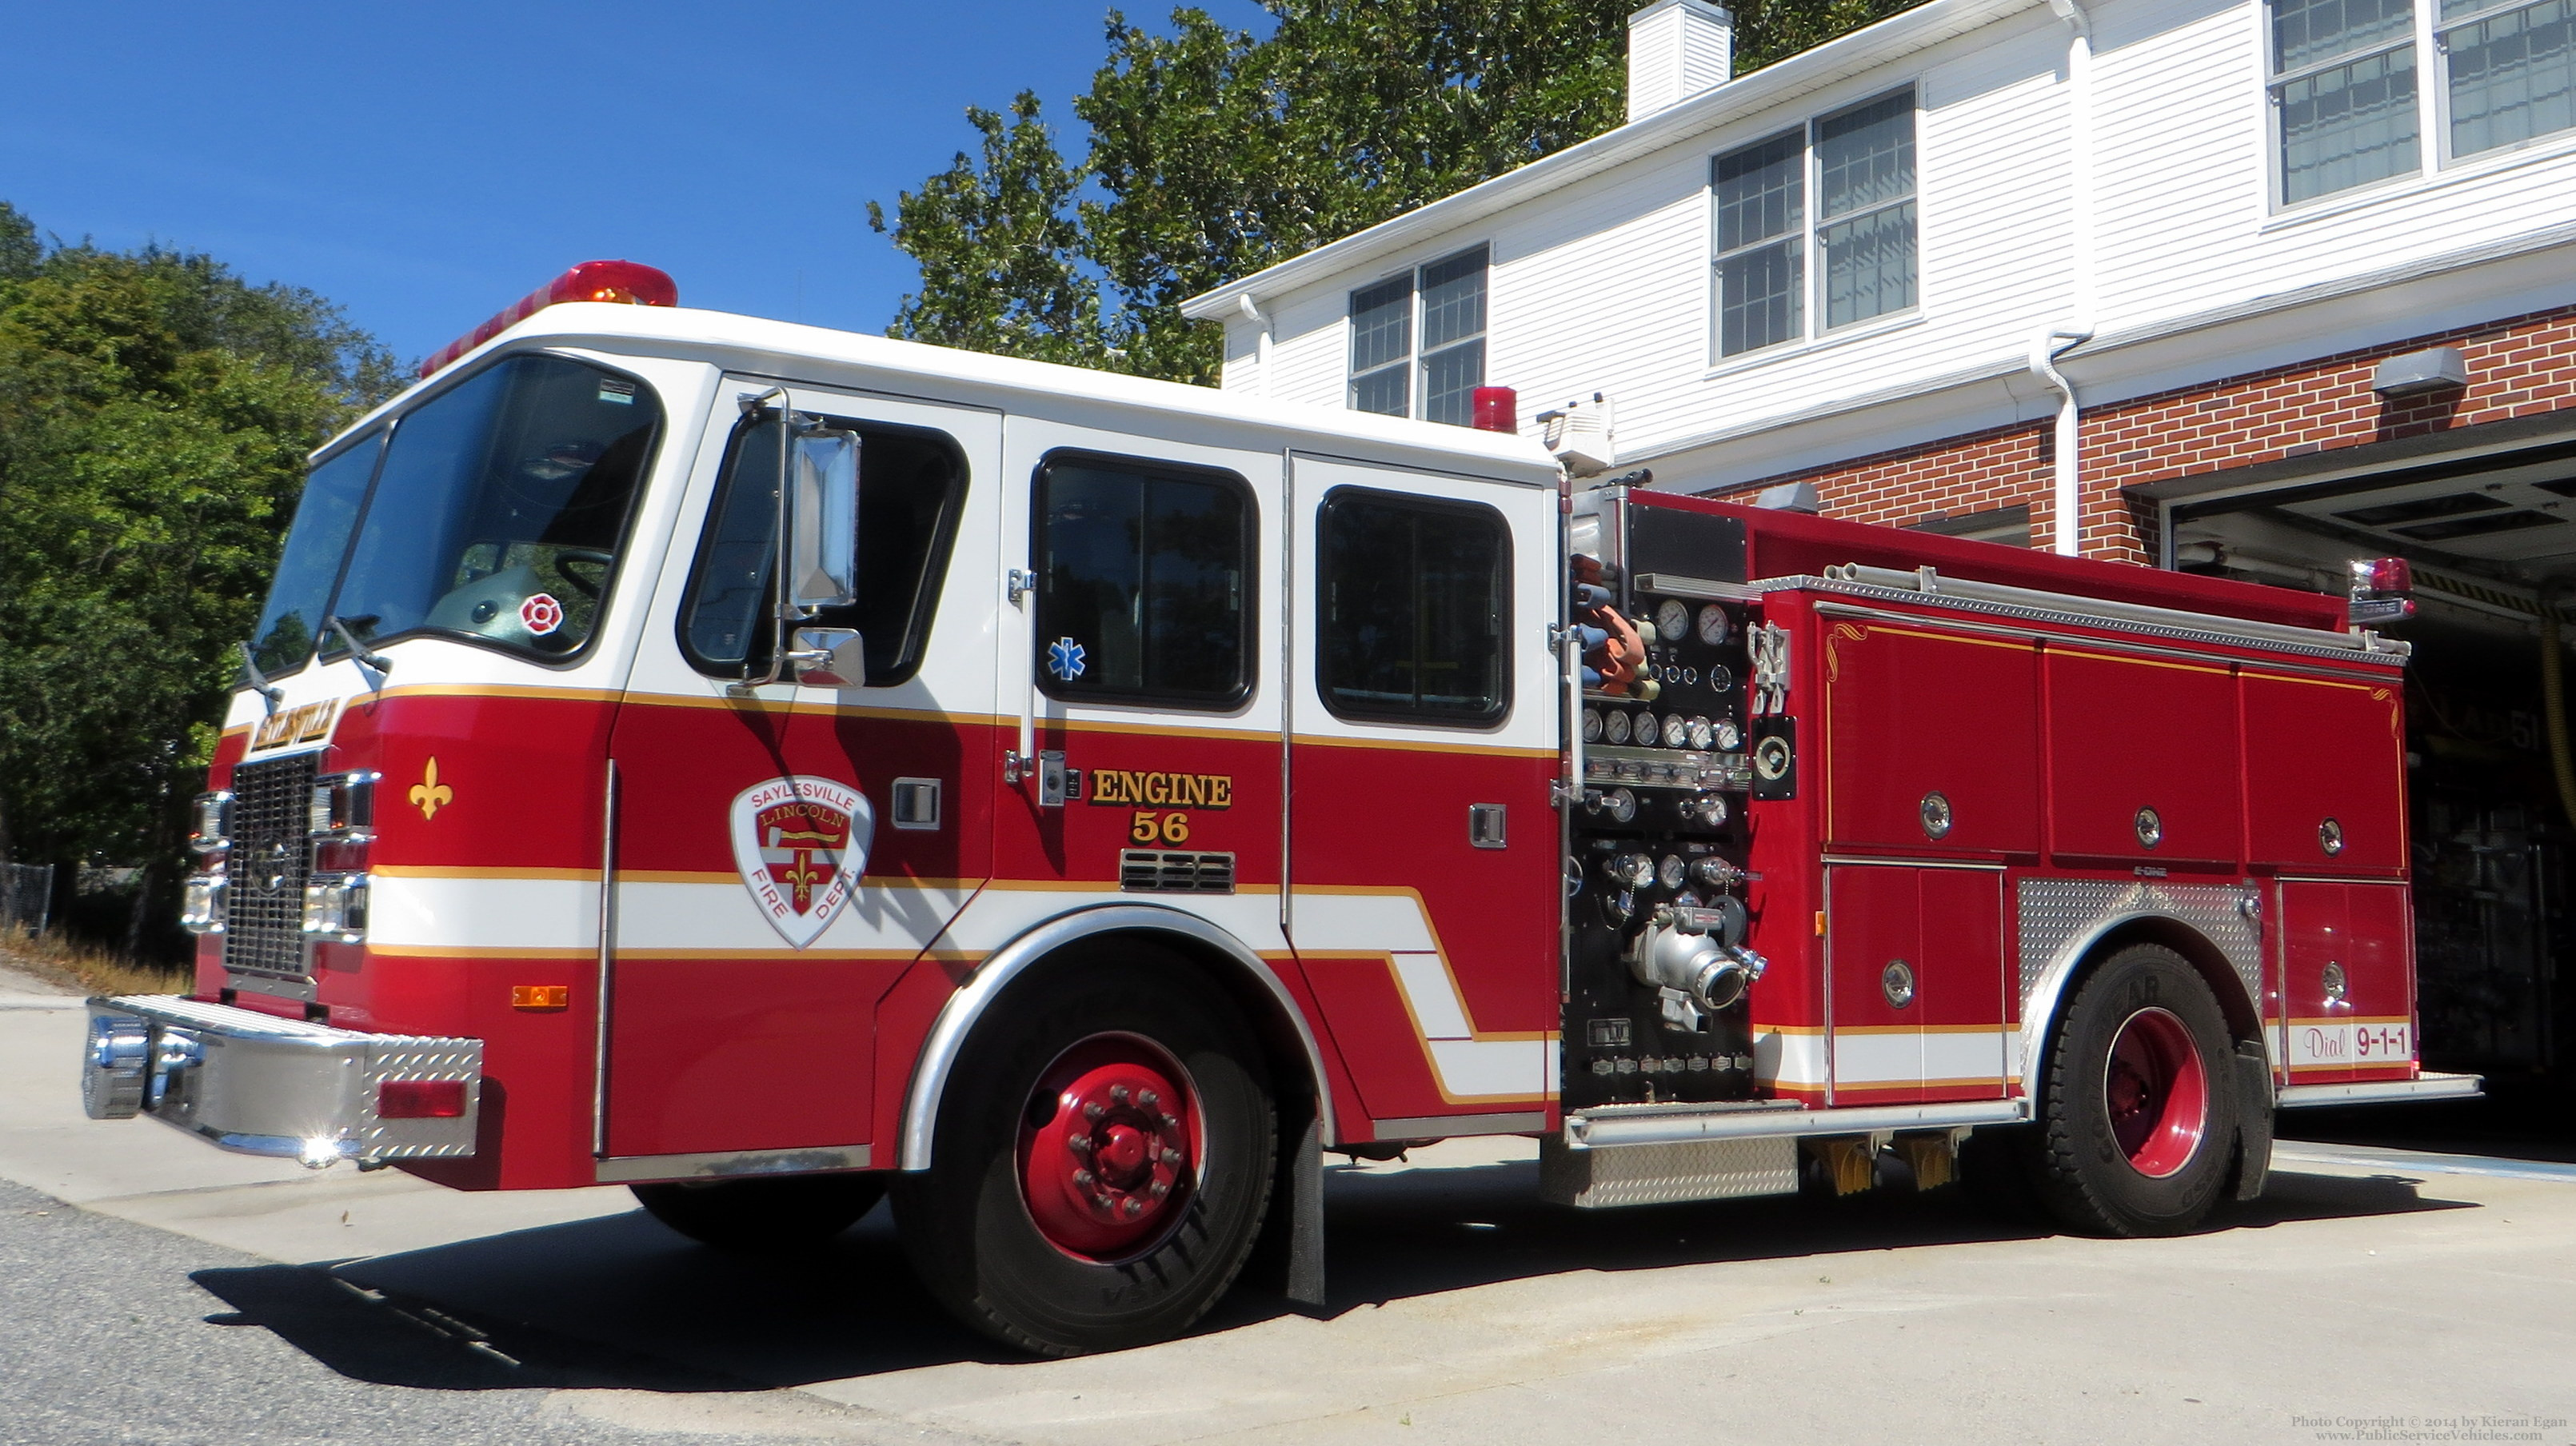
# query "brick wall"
(2517, 367)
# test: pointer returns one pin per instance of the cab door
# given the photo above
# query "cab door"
(783, 852)
(1136, 674)
(1424, 881)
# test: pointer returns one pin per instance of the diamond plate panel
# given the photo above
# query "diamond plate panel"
(411, 1057)
(1667, 1174)
(2059, 916)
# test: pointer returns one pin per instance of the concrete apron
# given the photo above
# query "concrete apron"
(2369, 1283)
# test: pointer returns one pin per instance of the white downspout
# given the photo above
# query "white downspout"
(1261, 343)
(2063, 337)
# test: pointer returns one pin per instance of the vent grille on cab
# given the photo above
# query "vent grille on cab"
(1170, 871)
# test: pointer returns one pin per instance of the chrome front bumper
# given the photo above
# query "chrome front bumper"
(262, 1085)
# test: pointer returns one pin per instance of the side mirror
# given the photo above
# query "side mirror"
(829, 657)
(822, 553)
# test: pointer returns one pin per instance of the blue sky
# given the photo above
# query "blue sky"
(426, 165)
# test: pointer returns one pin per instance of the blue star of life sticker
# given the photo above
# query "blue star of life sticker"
(1065, 659)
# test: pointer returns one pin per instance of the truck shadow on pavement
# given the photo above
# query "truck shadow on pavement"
(622, 1303)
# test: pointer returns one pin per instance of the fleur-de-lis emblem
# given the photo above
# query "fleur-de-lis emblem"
(429, 795)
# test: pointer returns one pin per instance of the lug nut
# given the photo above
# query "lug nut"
(1147, 1100)
(1134, 1207)
(1172, 1158)
(1079, 1144)
(1161, 1189)
(1171, 1122)
(1118, 1094)
(1082, 1179)
(1093, 1111)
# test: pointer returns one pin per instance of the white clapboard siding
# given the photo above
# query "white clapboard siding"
(1602, 283)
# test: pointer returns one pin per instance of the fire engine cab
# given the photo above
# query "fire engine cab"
(776, 768)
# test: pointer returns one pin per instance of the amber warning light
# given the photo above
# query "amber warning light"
(627, 281)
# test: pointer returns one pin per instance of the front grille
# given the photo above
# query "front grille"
(1161, 871)
(271, 857)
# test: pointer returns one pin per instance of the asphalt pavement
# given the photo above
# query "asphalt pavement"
(190, 1296)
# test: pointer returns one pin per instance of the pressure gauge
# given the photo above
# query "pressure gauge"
(1726, 735)
(1719, 678)
(1701, 734)
(1591, 725)
(1648, 730)
(1712, 625)
(1676, 730)
(1614, 727)
(1672, 872)
(1672, 619)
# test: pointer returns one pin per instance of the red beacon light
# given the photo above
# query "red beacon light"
(2383, 590)
(627, 281)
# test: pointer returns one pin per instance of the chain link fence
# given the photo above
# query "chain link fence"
(26, 896)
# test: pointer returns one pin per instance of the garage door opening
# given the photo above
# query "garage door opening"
(2492, 541)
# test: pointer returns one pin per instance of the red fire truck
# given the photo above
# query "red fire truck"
(775, 768)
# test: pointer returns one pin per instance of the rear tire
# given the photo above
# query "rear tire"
(1064, 1210)
(762, 1213)
(2138, 1127)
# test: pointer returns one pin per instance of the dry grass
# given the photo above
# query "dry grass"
(90, 969)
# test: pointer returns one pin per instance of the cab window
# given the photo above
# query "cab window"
(1144, 582)
(911, 482)
(1415, 608)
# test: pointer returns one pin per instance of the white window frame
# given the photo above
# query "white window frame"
(1812, 332)
(1416, 393)
(2435, 161)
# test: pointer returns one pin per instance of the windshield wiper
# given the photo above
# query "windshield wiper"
(376, 663)
(269, 692)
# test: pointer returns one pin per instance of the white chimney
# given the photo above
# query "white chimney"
(1676, 49)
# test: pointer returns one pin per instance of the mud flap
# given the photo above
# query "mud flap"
(1289, 1257)
(2253, 1120)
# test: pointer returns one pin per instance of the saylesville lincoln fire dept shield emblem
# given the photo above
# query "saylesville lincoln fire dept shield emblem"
(801, 844)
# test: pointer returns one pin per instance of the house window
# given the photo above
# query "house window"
(1857, 241)
(2512, 71)
(2343, 93)
(2347, 108)
(1443, 304)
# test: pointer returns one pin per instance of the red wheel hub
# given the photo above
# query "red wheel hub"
(2156, 1093)
(1109, 1147)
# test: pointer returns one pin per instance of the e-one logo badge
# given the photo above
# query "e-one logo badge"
(1121, 787)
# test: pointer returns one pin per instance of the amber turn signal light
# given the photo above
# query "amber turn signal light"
(540, 996)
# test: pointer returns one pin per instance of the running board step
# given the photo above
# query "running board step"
(2430, 1086)
(1620, 1126)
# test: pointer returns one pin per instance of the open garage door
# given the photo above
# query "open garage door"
(2492, 540)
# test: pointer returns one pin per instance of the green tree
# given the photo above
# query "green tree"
(1213, 152)
(155, 410)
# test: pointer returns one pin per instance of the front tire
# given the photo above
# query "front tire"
(2138, 1127)
(1103, 1159)
(762, 1213)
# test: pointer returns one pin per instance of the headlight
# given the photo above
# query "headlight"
(343, 807)
(211, 821)
(201, 903)
(335, 907)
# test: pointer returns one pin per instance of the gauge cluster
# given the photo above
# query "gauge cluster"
(1658, 975)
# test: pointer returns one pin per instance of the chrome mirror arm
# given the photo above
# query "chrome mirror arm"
(779, 662)
(269, 693)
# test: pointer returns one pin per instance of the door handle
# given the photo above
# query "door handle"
(1057, 784)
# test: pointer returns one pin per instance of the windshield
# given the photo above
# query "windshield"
(496, 514)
